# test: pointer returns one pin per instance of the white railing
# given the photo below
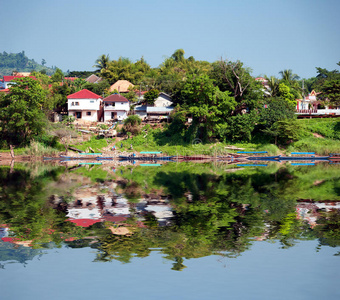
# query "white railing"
(318, 111)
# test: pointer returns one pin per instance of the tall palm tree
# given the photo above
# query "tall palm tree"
(288, 75)
(273, 84)
(102, 62)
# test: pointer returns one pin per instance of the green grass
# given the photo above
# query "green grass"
(328, 127)
(39, 149)
(321, 146)
(96, 143)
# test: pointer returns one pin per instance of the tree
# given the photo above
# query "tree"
(178, 55)
(43, 62)
(273, 84)
(233, 77)
(276, 109)
(287, 75)
(21, 114)
(102, 63)
(331, 91)
(58, 76)
(207, 104)
(151, 96)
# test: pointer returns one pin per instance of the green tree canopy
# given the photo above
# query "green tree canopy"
(151, 96)
(21, 114)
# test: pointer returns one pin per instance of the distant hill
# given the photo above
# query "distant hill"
(10, 62)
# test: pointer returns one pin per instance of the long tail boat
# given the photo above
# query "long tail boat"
(146, 158)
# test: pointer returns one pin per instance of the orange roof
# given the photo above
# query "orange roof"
(83, 94)
(122, 86)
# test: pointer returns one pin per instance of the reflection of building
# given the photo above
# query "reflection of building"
(159, 208)
(310, 211)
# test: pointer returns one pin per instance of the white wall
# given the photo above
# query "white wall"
(118, 106)
(162, 101)
(83, 104)
(121, 115)
(93, 117)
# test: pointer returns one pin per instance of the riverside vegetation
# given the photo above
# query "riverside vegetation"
(226, 104)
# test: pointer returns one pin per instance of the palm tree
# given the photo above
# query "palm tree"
(288, 75)
(273, 84)
(102, 62)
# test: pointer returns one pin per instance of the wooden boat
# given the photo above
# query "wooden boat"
(147, 158)
(288, 158)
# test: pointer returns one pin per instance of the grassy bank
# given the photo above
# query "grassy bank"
(321, 136)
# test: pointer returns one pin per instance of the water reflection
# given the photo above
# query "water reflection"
(185, 211)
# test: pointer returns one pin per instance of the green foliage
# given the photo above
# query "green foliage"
(132, 124)
(21, 114)
(96, 143)
(331, 91)
(21, 63)
(318, 145)
(241, 127)
(151, 96)
(58, 76)
(277, 109)
(208, 106)
(328, 127)
(284, 93)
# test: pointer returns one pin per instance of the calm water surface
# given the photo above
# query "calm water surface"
(179, 231)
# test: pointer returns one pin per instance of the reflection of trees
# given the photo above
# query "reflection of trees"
(328, 228)
(214, 213)
(25, 208)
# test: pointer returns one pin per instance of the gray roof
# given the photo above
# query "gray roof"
(167, 109)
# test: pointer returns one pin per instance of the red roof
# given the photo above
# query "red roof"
(84, 222)
(11, 78)
(71, 78)
(9, 239)
(115, 219)
(115, 98)
(4, 90)
(83, 94)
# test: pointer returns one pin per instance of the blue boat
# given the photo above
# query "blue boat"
(147, 158)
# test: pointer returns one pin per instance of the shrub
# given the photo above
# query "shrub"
(132, 124)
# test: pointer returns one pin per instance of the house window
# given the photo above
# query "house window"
(72, 104)
(88, 113)
(91, 101)
(77, 103)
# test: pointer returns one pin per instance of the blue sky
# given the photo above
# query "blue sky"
(267, 35)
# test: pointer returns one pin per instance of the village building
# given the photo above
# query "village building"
(122, 86)
(161, 109)
(10, 80)
(116, 107)
(93, 79)
(85, 105)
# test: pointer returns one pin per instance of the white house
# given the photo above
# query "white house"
(85, 105)
(161, 109)
(116, 107)
(9, 80)
(163, 100)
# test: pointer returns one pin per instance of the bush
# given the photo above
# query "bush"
(132, 124)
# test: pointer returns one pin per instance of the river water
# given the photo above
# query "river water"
(175, 231)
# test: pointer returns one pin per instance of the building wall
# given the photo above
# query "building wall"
(121, 115)
(162, 101)
(84, 116)
(141, 114)
(83, 104)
